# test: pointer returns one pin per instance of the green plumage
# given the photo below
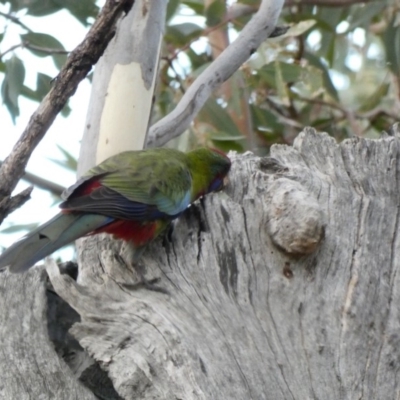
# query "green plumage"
(130, 195)
(158, 177)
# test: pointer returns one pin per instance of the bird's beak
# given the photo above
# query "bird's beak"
(225, 181)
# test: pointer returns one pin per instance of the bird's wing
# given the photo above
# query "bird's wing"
(105, 201)
(150, 189)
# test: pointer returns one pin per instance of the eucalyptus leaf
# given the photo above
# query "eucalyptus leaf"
(227, 145)
(216, 116)
(82, 10)
(180, 34)
(225, 136)
(43, 40)
(391, 40)
(362, 16)
(215, 12)
(172, 8)
(375, 98)
(327, 81)
(68, 162)
(12, 85)
(19, 227)
(196, 5)
(45, 44)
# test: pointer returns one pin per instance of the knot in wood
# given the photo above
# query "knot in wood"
(296, 222)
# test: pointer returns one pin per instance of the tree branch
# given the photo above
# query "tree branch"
(30, 46)
(42, 183)
(238, 10)
(78, 65)
(253, 34)
(12, 48)
(18, 200)
(371, 114)
(16, 20)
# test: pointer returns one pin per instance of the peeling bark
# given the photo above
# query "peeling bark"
(123, 86)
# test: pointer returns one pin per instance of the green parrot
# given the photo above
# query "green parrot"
(132, 195)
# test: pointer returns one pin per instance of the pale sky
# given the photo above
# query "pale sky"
(66, 132)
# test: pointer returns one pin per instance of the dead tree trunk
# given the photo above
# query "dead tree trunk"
(283, 286)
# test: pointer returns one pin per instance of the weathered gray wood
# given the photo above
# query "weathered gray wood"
(29, 366)
(245, 319)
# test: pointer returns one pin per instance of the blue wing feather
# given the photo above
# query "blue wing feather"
(106, 201)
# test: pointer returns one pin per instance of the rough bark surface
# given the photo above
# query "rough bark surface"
(283, 286)
(29, 365)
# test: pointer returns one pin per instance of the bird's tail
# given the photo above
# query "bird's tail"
(47, 238)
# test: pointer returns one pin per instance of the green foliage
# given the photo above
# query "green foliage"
(391, 41)
(45, 45)
(215, 12)
(80, 9)
(68, 161)
(12, 84)
(333, 62)
(12, 69)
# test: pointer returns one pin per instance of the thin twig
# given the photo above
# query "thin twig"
(371, 114)
(17, 201)
(49, 186)
(42, 183)
(31, 46)
(12, 48)
(322, 103)
(78, 65)
(16, 20)
(229, 17)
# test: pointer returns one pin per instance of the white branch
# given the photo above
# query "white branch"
(253, 34)
(123, 86)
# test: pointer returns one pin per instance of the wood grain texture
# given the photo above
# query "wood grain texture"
(245, 319)
(29, 365)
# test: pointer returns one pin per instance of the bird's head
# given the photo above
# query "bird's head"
(208, 167)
